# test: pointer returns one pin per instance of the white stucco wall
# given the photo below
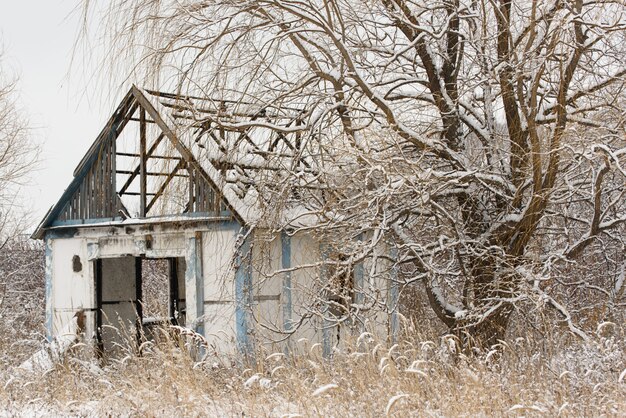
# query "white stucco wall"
(214, 299)
(305, 257)
(267, 307)
(71, 291)
(218, 245)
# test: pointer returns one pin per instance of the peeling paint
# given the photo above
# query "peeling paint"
(194, 285)
(219, 290)
(394, 298)
(243, 297)
(93, 251)
(77, 266)
(48, 279)
(286, 291)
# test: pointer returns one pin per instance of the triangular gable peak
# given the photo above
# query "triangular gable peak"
(136, 168)
(164, 154)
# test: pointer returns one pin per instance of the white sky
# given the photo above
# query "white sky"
(64, 107)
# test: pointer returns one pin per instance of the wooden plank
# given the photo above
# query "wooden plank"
(139, 120)
(71, 207)
(150, 156)
(198, 202)
(113, 195)
(88, 193)
(139, 193)
(202, 207)
(106, 184)
(109, 180)
(137, 169)
(142, 163)
(90, 196)
(151, 173)
(190, 170)
(82, 199)
(75, 206)
(101, 213)
(100, 179)
(210, 100)
(164, 185)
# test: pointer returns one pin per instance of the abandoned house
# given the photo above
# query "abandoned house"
(177, 179)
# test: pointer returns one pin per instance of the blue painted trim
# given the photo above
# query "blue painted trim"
(60, 233)
(48, 280)
(359, 292)
(71, 222)
(285, 241)
(394, 298)
(243, 297)
(327, 325)
(190, 267)
(199, 285)
(359, 280)
(194, 279)
(190, 216)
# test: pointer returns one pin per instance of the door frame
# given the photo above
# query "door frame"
(173, 302)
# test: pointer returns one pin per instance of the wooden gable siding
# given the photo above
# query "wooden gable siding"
(95, 197)
(95, 194)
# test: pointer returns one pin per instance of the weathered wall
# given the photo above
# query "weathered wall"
(289, 304)
(218, 251)
(266, 296)
(305, 285)
(205, 255)
(70, 290)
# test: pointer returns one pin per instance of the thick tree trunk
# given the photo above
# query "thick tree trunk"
(492, 329)
(490, 293)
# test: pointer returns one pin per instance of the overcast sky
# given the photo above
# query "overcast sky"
(61, 100)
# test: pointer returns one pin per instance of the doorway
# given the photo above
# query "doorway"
(134, 295)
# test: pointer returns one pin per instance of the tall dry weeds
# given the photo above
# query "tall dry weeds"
(414, 378)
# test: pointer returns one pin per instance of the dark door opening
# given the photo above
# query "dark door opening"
(135, 294)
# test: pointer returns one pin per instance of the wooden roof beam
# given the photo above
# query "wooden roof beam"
(135, 172)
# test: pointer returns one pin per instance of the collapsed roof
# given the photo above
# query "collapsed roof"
(163, 154)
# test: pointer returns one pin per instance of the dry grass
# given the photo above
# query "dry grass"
(419, 378)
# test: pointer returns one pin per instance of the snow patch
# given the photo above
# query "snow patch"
(323, 389)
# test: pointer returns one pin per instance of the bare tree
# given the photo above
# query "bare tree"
(483, 140)
(21, 261)
(18, 154)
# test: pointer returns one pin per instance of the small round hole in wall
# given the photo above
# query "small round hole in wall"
(77, 266)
